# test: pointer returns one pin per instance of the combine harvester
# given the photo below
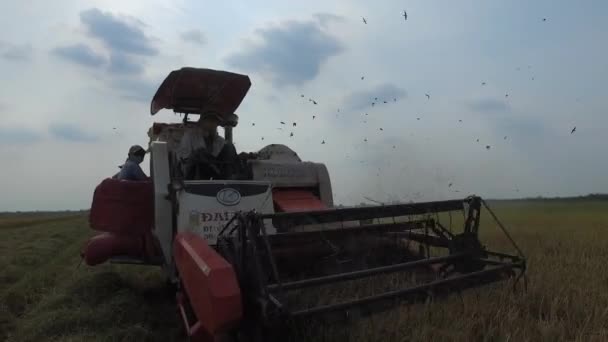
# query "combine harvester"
(255, 251)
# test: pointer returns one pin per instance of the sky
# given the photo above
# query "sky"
(507, 81)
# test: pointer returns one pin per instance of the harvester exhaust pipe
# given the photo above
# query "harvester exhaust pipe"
(228, 134)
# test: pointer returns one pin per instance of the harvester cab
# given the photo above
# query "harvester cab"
(258, 248)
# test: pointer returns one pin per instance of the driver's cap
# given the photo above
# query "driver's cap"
(136, 149)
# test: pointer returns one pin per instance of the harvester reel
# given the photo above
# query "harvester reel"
(266, 288)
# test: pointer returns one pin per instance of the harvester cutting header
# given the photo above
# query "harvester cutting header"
(245, 237)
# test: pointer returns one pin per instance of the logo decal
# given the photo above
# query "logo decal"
(228, 196)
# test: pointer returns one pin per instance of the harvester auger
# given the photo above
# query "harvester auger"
(266, 246)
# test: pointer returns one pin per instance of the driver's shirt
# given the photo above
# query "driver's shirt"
(194, 139)
(131, 171)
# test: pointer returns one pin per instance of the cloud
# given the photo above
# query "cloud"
(490, 106)
(326, 18)
(19, 53)
(19, 135)
(526, 132)
(288, 54)
(127, 48)
(124, 65)
(136, 89)
(80, 54)
(363, 99)
(71, 133)
(116, 33)
(194, 36)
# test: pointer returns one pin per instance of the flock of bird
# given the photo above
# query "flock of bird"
(373, 103)
(314, 102)
(376, 101)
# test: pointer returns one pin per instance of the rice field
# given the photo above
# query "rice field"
(47, 295)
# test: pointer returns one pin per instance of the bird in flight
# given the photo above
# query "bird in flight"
(364, 21)
(487, 147)
(450, 185)
(417, 118)
(544, 19)
(477, 140)
(395, 99)
(262, 138)
(314, 102)
(365, 139)
(362, 77)
(302, 95)
(282, 123)
(428, 96)
(291, 134)
(381, 129)
(323, 142)
(573, 130)
(459, 120)
(373, 103)
(313, 117)
(404, 15)
(483, 83)
(294, 124)
(505, 137)
(253, 124)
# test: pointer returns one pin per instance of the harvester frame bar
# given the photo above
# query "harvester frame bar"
(416, 293)
(362, 273)
(364, 213)
(398, 227)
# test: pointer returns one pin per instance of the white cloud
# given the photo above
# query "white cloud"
(80, 54)
(291, 53)
(194, 36)
(15, 53)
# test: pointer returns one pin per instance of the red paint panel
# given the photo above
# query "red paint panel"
(210, 283)
(123, 207)
(293, 200)
(104, 246)
(197, 90)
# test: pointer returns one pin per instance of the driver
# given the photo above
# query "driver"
(131, 170)
(203, 153)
